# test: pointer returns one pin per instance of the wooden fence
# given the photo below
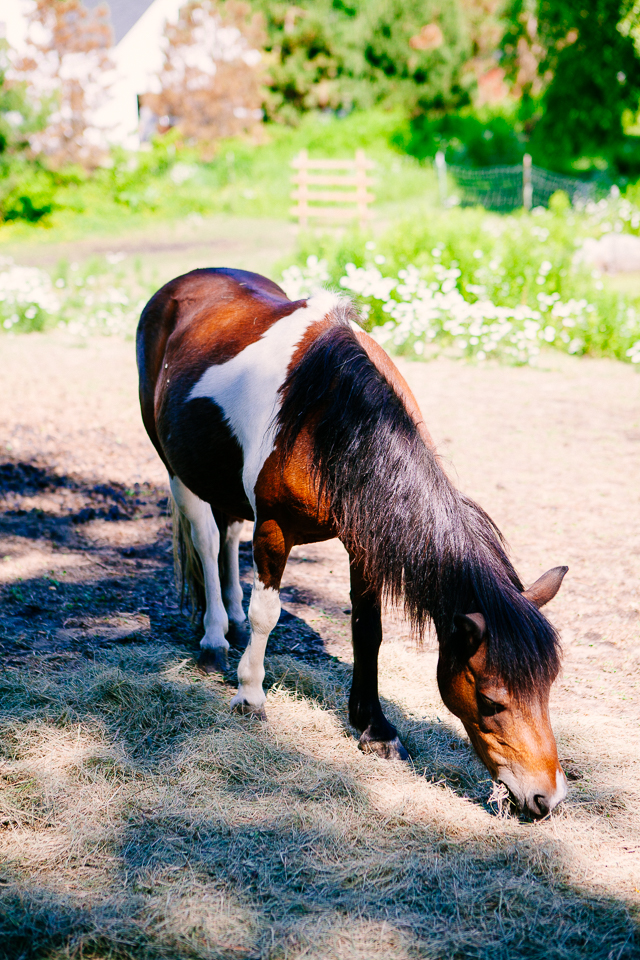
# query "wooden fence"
(354, 191)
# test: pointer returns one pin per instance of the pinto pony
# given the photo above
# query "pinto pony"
(288, 414)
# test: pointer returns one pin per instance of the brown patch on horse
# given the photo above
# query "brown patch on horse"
(219, 314)
(196, 321)
(383, 362)
(286, 491)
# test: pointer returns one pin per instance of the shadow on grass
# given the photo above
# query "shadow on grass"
(226, 842)
(235, 845)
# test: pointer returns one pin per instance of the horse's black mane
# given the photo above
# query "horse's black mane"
(420, 538)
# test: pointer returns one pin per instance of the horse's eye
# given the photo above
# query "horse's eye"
(489, 708)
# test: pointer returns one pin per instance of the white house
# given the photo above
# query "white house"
(138, 28)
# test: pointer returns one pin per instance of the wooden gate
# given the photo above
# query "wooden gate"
(354, 194)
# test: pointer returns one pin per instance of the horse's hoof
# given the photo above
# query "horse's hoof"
(387, 749)
(246, 710)
(238, 634)
(212, 660)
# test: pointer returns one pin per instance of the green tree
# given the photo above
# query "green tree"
(339, 54)
(414, 52)
(588, 71)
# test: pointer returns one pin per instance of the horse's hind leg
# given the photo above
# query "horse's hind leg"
(270, 552)
(206, 540)
(365, 713)
(230, 577)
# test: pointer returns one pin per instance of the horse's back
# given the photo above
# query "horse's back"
(204, 307)
(201, 318)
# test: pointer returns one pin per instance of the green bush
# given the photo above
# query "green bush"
(27, 191)
(341, 54)
(476, 284)
(27, 188)
(466, 138)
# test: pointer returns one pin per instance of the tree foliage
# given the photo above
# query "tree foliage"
(586, 71)
(26, 188)
(210, 82)
(341, 54)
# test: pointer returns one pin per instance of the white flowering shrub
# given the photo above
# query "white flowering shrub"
(477, 285)
(429, 310)
(613, 214)
(28, 299)
(425, 311)
(299, 282)
(96, 300)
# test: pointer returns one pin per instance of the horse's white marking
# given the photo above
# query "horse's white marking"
(246, 387)
(560, 791)
(231, 587)
(264, 610)
(206, 540)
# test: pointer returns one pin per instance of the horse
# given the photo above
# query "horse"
(288, 414)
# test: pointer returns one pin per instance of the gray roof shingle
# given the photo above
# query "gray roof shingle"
(124, 14)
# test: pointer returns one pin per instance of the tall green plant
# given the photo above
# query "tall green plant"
(27, 188)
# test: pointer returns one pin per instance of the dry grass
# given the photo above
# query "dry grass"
(141, 819)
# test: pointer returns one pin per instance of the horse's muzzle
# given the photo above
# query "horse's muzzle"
(534, 800)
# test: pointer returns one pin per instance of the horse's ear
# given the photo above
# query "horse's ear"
(473, 624)
(546, 587)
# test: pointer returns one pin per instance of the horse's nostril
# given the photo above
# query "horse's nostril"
(540, 801)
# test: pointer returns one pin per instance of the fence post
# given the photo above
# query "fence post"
(527, 185)
(441, 168)
(303, 187)
(361, 187)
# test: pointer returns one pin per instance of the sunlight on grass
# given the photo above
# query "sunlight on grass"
(140, 816)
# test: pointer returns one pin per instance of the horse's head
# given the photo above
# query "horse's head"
(512, 735)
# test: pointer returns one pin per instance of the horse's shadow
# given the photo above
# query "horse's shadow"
(47, 623)
(298, 661)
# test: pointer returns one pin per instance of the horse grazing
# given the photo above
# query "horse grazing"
(288, 414)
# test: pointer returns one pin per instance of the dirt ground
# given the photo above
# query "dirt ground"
(553, 454)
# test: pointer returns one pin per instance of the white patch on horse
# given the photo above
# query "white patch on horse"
(264, 610)
(246, 387)
(560, 792)
(206, 539)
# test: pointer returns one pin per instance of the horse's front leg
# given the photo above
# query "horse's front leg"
(270, 552)
(365, 713)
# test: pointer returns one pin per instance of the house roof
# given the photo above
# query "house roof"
(124, 14)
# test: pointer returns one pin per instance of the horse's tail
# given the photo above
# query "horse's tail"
(187, 565)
